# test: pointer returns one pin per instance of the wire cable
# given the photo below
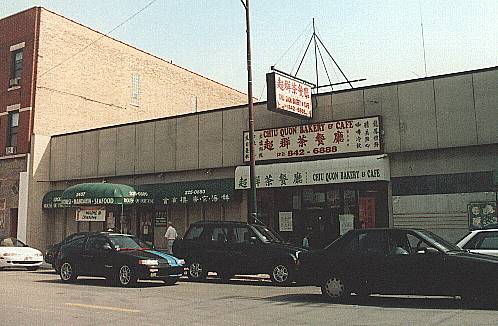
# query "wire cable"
(293, 43)
(98, 39)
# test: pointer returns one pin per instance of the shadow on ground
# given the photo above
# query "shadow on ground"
(100, 282)
(415, 302)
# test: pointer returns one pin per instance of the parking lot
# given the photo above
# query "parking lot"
(40, 298)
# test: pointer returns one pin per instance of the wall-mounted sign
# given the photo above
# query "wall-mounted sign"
(317, 139)
(288, 95)
(161, 218)
(285, 221)
(342, 170)
(90, 215)
(481, 214)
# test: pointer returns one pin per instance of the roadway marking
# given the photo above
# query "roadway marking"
(80, 305)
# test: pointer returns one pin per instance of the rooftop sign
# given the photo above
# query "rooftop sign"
(288, 95)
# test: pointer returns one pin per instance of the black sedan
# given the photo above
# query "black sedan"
(399, 261)
(120, 258)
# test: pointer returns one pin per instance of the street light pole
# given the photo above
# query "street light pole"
(252, 168)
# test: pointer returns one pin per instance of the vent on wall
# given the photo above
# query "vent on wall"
(10, 150)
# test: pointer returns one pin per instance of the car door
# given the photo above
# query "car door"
(485, 242)
(217, 251)
(96, 255)
(247, 250)
(415, 268)
(364, 259)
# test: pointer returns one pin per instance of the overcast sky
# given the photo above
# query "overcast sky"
(373, 39)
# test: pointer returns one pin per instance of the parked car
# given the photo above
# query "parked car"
(481, 241)
(52, 251)
(398, 261)
(121, 258)
(230, 248)
(14, 253)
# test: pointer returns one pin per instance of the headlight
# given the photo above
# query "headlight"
(10, 254)
(148, 262)
(181, 262)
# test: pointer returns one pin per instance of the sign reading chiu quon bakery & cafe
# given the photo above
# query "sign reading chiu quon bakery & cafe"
(317, 139)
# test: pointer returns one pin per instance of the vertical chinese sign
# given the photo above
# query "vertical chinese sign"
(367, 212)
(288, 95)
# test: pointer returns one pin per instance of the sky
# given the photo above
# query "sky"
(379, 40)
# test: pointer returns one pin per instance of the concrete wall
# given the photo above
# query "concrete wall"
(86, 78)
(421, 120)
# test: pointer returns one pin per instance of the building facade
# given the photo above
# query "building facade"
(434, 162)
(58, 76)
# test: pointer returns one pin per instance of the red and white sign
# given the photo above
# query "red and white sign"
(288, 95)
(90, 215)
(321, 138)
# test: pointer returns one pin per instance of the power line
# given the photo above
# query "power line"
(101, 37)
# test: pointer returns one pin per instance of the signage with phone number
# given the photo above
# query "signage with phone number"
(322, 138)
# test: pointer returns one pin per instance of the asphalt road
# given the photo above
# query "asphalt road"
(40, 298)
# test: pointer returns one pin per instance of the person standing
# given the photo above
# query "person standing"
(170, 236)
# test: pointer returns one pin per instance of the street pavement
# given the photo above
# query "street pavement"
(40, 298)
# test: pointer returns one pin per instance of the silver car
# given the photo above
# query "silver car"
(483, 241)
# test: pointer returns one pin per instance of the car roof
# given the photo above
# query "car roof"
(223, 222)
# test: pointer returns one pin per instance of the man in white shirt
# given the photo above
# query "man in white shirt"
(170, 236)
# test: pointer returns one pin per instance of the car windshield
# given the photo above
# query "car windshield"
(11, 242)
(125, 242)
(266, 234)
(438, 242)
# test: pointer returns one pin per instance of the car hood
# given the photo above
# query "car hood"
(474, 256)
(24, 251)
(152, 254)
(286, 247)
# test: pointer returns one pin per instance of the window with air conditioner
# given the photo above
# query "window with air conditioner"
(16, 68)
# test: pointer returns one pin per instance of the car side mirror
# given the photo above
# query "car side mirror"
(106, 247)
(429, 250)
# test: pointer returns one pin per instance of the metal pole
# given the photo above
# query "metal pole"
(316, 58)
(253, 211)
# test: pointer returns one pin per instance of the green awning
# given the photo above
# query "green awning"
(99, 194)
(52, 199)
(191, 192)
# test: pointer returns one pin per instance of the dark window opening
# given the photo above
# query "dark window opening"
(13, 128)
(16, 68)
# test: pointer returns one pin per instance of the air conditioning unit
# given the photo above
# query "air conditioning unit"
(14, 81)
(10, 150)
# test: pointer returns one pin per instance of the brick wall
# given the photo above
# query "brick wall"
(80, 89)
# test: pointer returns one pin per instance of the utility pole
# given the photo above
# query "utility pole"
(253, 209)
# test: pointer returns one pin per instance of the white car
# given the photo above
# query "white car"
(14, 253)
(483, 241)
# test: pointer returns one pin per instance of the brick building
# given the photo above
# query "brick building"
(59, 76)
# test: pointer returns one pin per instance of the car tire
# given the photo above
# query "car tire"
(67, 272)
(197, 271)
(281, 274)
(32, 269)
(171, 280)
(336, 288)
(125, 276)
(225, 275)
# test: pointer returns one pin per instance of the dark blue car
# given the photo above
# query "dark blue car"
(121, 258)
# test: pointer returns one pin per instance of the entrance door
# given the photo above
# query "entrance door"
(145, 227)
(13, 222)
(323, 226)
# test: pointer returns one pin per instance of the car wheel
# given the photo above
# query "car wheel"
(335, 288)
(34, 268)
(171, 280)
(280, 274)
(67, 272)
(197, 271)
(126, 276)
(225, 275)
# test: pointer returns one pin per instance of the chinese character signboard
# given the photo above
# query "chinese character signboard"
(481, 214)
(288, 95)
(323, 138)
(285, 221)
(341, 170)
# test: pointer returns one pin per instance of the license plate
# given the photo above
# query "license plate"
(153, 274)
